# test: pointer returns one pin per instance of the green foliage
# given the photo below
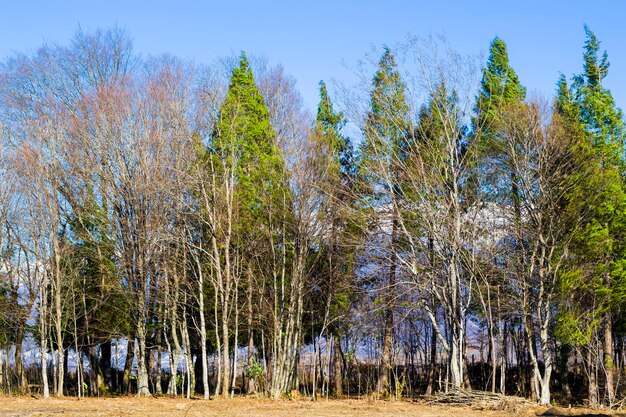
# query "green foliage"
(500, 87)
(332, 166)
(254, 369)
(500, 94)
(245, 153)
(245, 144)
(595, 278)
(251, 190)
(90, 258)
(329, 125)
(387, 130)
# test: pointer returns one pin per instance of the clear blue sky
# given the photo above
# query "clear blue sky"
(311, 39)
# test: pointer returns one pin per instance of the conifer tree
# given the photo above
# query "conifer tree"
(500, 91)
(98, 301)
(334, 167)
(595, 281)
(386, 131)
(500, 87)
(256, 196)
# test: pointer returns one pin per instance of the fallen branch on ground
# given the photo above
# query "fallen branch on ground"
(480, 400)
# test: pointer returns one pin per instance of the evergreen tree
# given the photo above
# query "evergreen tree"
(252, 178)
(330, 124)
(595, 282)
(500, 87)
(501, 92)
(386, 131)
(334, 173)
(99, 310)
(246, 140)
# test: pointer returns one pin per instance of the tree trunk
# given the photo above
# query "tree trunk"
(128, 365)
(44, 367)
(456, 367)
(174, 358)
(22, 383)
(143, 389)
(251, 388)
(609, 366)
(225, 353)
(58, 310)
(433, 327)
(592, 382)
(205, 371)
(433, 360)
(494, 356)
(105, 366)
(94, 369)
(385, 364)
(467, 384)
(503, 359)
(191, 376)
(235, 338)
(158, 380)
(337, 367)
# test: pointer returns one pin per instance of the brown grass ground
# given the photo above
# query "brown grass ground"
(245, 407)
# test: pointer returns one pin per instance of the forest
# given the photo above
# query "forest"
(174, 228)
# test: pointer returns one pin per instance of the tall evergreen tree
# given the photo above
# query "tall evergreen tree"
(500, 87)
(98, 311)
(500, 91)
(386, 131)
(598, 203)
(256, 196)
(335, 170)
(247, 141)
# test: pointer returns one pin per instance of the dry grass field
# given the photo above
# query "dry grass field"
(245, 407)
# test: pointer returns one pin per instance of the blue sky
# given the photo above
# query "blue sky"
(312, 39)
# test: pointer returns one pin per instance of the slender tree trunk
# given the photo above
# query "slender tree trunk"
(503, 359)
(251, 389)
(385, 364)
(494, 356)
(467, 383)
(218, 343)
(433, 360)
(128, 365)
(592, 382)
(225, 352)
(433, 328)
(43, 333)
(170, 355)
(22, 383)
(173, 316)
(316, 347)
(337, 367)
(609, 365)
(55, 367)
(158, 382)
(143, 379)
(105, 366)
(44, 367)
(3, 386)
(236, 337)
(191, 377)
(203, 337)
(58, 310)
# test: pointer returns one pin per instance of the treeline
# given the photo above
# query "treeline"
(183, 229)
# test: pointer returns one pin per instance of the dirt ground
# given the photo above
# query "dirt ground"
(245, 407)
(92, 407)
